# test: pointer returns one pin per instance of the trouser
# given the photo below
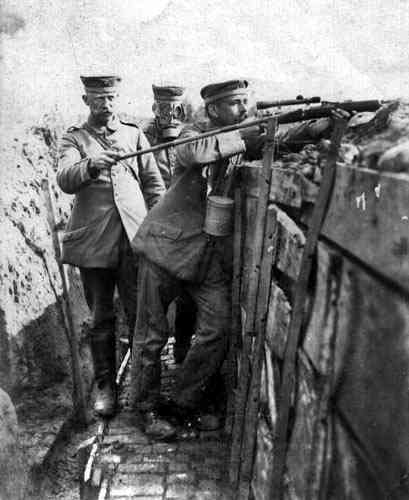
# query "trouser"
(99, 288)
(185, 321)
(156, 290)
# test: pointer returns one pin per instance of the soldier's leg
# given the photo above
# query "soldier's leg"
(185, 322)
(156, 289)
(99, 285)
(127, 284)
(208, 349)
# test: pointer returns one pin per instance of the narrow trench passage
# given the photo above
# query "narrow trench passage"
(142, 468)
(129, 465)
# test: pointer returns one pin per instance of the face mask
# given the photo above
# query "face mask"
(169, 116)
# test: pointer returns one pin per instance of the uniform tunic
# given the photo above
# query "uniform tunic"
(115, 201)
(106, 215)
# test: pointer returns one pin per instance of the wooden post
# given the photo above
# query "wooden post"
(284, 398)
(236, 313)
(78, 396)
(251, 304)
(251, 419)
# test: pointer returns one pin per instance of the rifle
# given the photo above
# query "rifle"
(298, 115)
(289, 102)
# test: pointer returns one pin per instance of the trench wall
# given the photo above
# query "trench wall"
(33, 345)
(349, 424)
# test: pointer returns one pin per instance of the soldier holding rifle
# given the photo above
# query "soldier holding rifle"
(173, 249)
(172, 246)
(111, 198)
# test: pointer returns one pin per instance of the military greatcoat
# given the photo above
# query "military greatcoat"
(114, 202)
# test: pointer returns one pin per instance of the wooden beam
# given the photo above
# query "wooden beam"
(264, 179)
(78, 393)
(284, 397)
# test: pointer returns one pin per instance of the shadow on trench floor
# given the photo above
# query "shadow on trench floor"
(129, 465)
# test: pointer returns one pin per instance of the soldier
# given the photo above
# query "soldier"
(111, 199)
(170, 114)
(172, 245)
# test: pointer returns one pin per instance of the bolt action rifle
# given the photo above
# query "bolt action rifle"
(324, 110)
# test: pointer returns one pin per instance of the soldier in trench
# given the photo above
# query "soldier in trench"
(172, 247)
(111, 199)
(170, 114)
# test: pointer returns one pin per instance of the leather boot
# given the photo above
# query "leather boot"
(103, 354)
(157, 427)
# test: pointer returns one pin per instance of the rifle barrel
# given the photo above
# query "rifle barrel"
(186, 140)
(291, 117)
(325, 110)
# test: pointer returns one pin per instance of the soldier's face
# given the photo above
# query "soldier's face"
(232, 110)
(169, 117)
(102, 106)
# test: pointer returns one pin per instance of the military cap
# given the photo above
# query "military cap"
(168, 92)
(100, 84)
(216, 91)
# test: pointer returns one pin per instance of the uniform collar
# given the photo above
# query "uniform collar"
(112, 126)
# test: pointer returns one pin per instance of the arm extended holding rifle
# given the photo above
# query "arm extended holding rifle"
(326, 109)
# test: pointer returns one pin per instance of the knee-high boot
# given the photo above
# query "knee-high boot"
(103, 355)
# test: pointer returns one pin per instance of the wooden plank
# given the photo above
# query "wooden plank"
(323, 316)
(264, 178)
(270, 380)
(236, 331)
(289, 187)
(264, 461)
(369, 217)
(290, 246)
(252, 409)
(372, 377)
(278, 321)
(301, 444)
(286, 389)
(249, 216)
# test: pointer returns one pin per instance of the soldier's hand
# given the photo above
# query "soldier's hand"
(338, 115)
(104, 160)
(250, 133)
(254, 139)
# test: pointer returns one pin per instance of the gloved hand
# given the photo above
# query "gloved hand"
(254, 139)
(339, 115)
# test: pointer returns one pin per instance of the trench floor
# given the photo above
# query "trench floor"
(131, 466)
